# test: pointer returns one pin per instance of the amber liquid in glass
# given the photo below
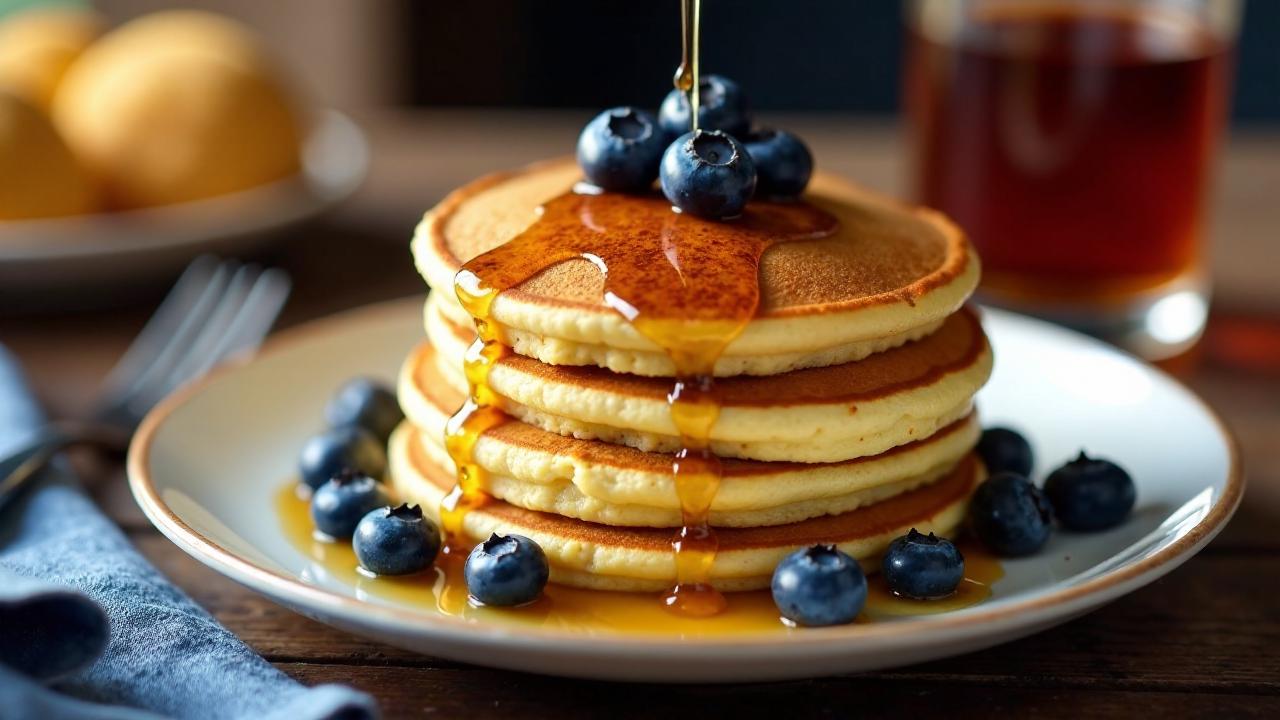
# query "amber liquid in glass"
(1073, 146)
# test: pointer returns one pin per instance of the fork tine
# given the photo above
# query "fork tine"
(248, 308)
(260, 313)
(176, 343)
(199, 355)
(158, 329)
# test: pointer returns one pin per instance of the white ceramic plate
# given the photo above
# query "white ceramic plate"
(63, 253)
(208, 462)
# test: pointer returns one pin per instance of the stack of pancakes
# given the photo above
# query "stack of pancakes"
(846, 403)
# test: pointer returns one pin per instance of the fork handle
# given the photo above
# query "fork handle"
(22, 465)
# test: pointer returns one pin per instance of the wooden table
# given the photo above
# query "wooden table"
(1203, 641)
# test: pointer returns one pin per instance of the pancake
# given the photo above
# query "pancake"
(890, 273)
(602, 557)
(561, 496)
(438, 318)
(619, 485)
(824, 414)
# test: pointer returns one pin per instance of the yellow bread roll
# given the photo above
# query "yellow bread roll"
(178, 106)
(39, 177)
(38, 45)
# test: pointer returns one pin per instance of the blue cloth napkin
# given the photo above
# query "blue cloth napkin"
(89, 629)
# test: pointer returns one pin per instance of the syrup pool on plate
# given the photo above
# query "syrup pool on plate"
(594, 612)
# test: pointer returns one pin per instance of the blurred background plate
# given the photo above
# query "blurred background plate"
(44, 259)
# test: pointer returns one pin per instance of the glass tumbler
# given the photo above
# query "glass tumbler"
(1074, 142)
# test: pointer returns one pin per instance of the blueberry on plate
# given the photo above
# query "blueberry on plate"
(620, 149)
(338, 505)
(506, 570)
(338, 449)
(396, 541)
(1005, 450)
(1090, 494)
(922, 567)
(708, 174)
(1010, 515)
(721, 106)
(783, 163)
(819, 586)
(365, 403)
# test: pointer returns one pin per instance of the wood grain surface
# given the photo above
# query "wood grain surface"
(1204, 641)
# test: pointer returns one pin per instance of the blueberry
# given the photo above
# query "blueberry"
(338, 449)
(819, 586)
(506, 570)
(365, 403)
(721, 106)
(922, 567)
(783, 163)
(1090, 494)
(1005, 450)
(396, 541)
(620, 149)
(339, 504)
(1010, 515)
(708, 174)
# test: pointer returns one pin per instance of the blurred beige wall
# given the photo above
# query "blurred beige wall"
(344, 52)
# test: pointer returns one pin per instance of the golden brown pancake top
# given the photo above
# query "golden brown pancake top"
(882, 252)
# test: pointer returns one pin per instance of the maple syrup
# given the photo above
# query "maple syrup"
(478, 413)
(687, 75)
(592, 612)
(1072, 141)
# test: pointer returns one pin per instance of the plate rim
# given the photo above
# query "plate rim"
(297, 594)
(315, 189)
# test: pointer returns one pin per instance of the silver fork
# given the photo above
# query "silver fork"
(216, 310)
